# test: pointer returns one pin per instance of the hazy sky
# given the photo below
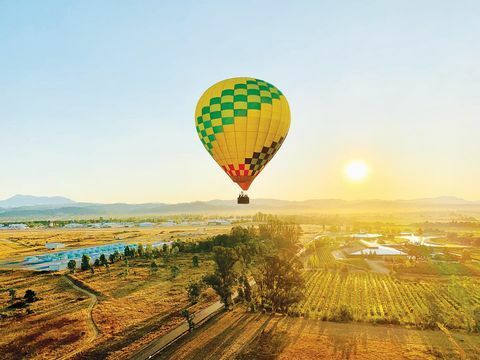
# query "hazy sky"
(97, 97)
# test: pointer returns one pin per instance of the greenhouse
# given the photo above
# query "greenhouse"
(59, 260)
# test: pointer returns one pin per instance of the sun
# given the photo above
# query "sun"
(356, 170)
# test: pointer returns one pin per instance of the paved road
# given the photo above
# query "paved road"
(148, 351)
(157, 345)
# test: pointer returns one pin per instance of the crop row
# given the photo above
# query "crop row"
(378, 298)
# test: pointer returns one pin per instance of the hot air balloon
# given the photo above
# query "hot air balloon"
(242, 122)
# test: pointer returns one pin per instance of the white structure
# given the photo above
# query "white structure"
(366, 236)
(54, 245)
(146, 224)
(218, 222)
(31, 259)
(419, 240)
(372, 248)
(74, 226)
(168, 223)
(18, 226)
(380, 251)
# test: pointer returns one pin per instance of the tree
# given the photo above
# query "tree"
(96, 262)
(153, 267)
(225, 275)
(280, 283)
(476, 318)
(174, 270)
(195, 261)
(133, 252)
(343, 314)
(30, 296)
(194, 290)
(189, 317)
(175, 250)
(285, 236)
(140, 250)
(127, 268)
(247, 289)
(85, 265)
(72, 266)
(126, 251)
(103, 260)
(12, 293)
(148, 251)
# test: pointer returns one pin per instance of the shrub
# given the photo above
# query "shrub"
(195, 261)
(30, 296)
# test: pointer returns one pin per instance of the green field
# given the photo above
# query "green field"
(377, 298)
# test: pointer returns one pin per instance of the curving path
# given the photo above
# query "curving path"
(93, 328)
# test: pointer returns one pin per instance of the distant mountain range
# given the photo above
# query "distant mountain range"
(25, 207)
(29, 200)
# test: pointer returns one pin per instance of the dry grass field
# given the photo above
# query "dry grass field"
(15, 244)
(114, 311)
(124, 309)
(58, 324)
(241, 335)
(141, 303)
(131, 309)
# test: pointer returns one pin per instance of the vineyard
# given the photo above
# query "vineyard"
(371, 297)
(319, 256)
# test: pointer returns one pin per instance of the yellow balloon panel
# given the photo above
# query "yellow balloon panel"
(242, 122)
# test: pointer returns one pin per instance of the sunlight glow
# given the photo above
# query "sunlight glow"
(356, 171)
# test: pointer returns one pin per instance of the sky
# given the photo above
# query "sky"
(97, 98)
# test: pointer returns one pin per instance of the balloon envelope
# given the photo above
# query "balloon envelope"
(242, 122)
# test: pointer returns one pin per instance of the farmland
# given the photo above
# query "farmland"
(377, 298)
(15, 244)
(240, 335)
(58, 321)
(113, 311)
(141, 304)
(134, 302)
(136, 306)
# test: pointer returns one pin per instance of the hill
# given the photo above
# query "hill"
(30, 200)
(31, 207)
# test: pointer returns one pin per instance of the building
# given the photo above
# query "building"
(365, 236)
(74, 226)
(18, 226)
(419, 240)
(366, 248)
(218, 222)
(54, 245)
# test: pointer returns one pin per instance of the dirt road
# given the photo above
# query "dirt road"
(93, 328)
